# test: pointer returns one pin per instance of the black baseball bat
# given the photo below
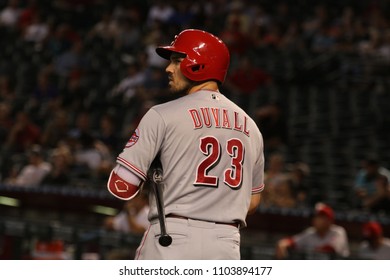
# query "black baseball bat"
(157, 177)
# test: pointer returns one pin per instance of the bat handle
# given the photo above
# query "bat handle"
(165, 240)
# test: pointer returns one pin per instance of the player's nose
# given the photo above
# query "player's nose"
(169, 69)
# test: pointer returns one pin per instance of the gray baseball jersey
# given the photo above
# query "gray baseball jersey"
(211, 153)
(309, 241)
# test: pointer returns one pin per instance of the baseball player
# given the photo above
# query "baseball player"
(210, 150)
(323, 239)
(375, 246)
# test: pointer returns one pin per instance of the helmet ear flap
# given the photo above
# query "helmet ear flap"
(194, 71)
(196, 68)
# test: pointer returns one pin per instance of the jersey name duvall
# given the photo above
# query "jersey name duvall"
(219, 118)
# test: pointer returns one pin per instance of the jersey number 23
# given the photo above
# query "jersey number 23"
(211, 148)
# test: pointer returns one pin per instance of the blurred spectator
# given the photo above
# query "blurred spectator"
(292, 39)
(23, 134)
(44, 98)
(133, 218)
(7, 89)
(275, 168)
(323, 239)
(60, 174)
(56, 130)
(151, 40)
(154, 87)
(237, 16)
(272, 38)
(246, 81)
(261, 22)
(316, 22)
(365, 181)
(357, 32)
(86, 153)
(374, 246)
(127, 87)
(73, 94)
(142, 58)
(237, 41)
(10, 14)
(379, 202)
(61, 39)
(278, 187)
(5, 121)
(107, 28)
(282, 196)
(128, 38)
(37, 31)
(72, 60)
(378, 45)
(322, 40)
(155, 80)
(298, 180)
(28, 14)
(344, 30)
(82, 125)
(108, 160)
(34, 172)
(272, 123)
(45, 90)
(283, 15)
(107, 133)
(384, 48)
(160, 11)
(132, 121)
(205, 14)
(182, 16)
(92, 158)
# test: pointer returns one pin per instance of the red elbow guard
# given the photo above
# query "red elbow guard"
(120, 188)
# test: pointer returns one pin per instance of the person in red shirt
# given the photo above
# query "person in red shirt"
(324, 239)
(246, 80)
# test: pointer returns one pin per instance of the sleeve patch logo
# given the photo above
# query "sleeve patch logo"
(121, 186)
(133, 139)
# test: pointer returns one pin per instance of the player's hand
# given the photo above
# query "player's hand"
(281, 249)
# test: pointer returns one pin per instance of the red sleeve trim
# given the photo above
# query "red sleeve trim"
(120, 188)
(131, 167)
(258, 189)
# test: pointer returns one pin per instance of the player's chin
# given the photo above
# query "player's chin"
(173, 88)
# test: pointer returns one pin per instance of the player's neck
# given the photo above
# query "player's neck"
(208, 85)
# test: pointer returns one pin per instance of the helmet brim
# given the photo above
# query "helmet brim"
(166, 51)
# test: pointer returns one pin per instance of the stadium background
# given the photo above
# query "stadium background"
(323, 67)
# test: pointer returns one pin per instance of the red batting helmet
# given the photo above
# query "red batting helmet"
(372, 230)
(322, 209)
(206, 56)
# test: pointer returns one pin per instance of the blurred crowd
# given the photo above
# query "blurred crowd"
(324, 239)
(77, 76)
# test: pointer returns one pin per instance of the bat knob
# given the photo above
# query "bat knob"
(165, 240)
